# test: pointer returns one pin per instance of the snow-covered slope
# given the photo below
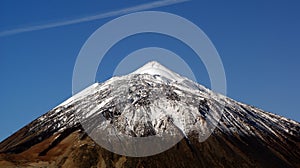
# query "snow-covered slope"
(153, 97)
(154, 101)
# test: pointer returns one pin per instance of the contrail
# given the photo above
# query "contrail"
(93, 17)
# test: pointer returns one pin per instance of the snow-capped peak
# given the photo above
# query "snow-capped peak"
(146, 107)
(155, 68)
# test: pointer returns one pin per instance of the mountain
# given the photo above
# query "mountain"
(153, 117)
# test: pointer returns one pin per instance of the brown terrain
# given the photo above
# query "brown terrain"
(73, 148)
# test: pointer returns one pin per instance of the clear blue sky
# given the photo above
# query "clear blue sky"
(258, 42)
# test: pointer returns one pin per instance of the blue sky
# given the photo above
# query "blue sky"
(258, 43)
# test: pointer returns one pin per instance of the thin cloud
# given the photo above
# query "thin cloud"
(93, 17)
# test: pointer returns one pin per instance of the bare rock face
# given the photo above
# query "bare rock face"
(154, 101)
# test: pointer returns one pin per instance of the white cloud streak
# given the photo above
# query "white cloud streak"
(151, 5)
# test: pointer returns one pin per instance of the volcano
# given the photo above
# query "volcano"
(153, 117)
